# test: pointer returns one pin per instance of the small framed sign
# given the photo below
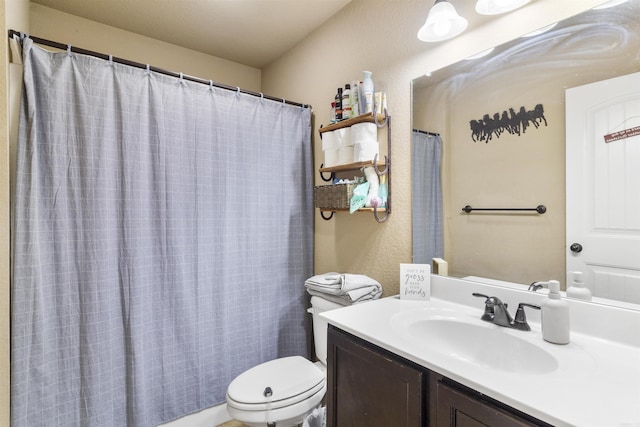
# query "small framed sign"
(415, 281)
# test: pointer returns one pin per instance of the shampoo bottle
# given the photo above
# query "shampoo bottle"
(577, 289)
(338, 101)
(346, 102)
(555, 316)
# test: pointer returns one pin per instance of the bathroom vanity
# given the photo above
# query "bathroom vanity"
(369, 386)
(435, 363)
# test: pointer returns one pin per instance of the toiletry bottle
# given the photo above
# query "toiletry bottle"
(555, 316)
(577, 289)
(346, 102)
(383, 191)
(355, 98)
(338, 100)
(377, 102)
(367, 90)
(332, 113)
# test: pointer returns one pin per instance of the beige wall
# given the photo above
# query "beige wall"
(14, 15)
(4, 232)
(61, 27)
(510, 171)
(378, 35)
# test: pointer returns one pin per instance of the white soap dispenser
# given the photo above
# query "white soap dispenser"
(577, 289)
(555, 316)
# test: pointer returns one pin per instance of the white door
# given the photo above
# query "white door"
(603, 186)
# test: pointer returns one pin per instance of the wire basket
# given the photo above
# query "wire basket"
(336, 196)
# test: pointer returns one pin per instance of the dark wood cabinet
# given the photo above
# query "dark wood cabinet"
(457, 408)
(370, 386)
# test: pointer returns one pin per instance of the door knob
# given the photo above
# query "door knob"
(576, 247)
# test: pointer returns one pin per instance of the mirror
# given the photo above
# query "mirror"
(501, 118)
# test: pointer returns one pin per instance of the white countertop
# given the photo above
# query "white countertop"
(597, 382)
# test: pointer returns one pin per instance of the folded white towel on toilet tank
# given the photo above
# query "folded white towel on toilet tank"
(344, 288)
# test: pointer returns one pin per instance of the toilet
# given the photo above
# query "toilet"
(282, 392)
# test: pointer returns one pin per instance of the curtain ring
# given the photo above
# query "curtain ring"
(110, 59)
(68, 50)
(210, 84)
(148, 70)
(238, 90)
(181, 78)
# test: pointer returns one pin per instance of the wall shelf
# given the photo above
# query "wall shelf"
(381, 167)
(378, 119)
(351, 166)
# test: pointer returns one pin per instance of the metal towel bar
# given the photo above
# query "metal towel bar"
(540, 209)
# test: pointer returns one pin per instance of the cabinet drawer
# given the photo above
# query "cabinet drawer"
(456, 408)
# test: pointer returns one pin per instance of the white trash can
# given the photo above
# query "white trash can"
(317, 418)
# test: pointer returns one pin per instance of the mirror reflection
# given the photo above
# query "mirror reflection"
(501, 118)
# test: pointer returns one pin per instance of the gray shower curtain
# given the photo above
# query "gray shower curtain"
(163, 231)
(426, 194)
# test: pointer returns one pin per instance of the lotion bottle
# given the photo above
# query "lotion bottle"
(555, 316)
(368, 92)
(383, 191)
(577, 289)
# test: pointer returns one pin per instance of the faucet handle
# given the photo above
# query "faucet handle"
(489, 314)
(520, 322)
(476, 294)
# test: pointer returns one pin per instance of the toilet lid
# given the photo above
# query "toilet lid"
(288, 378)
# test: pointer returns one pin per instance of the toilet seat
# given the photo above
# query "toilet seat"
(291, 380)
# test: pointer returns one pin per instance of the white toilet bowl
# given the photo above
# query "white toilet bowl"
(282, 392)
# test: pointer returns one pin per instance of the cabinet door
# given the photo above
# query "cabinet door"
(367, 386)
(458, 409)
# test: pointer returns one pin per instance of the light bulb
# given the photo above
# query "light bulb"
(443, 22)
(442, 27)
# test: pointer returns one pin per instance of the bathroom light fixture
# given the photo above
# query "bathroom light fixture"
(496, 7)
(443, 22)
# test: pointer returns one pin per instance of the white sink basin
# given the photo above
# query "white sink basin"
(474, 341)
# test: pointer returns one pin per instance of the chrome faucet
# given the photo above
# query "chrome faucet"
(495, 311)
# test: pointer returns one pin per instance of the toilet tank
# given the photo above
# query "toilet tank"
(318, 305)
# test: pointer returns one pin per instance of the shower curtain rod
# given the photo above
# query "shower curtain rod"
(426, 132)
(81, 51)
